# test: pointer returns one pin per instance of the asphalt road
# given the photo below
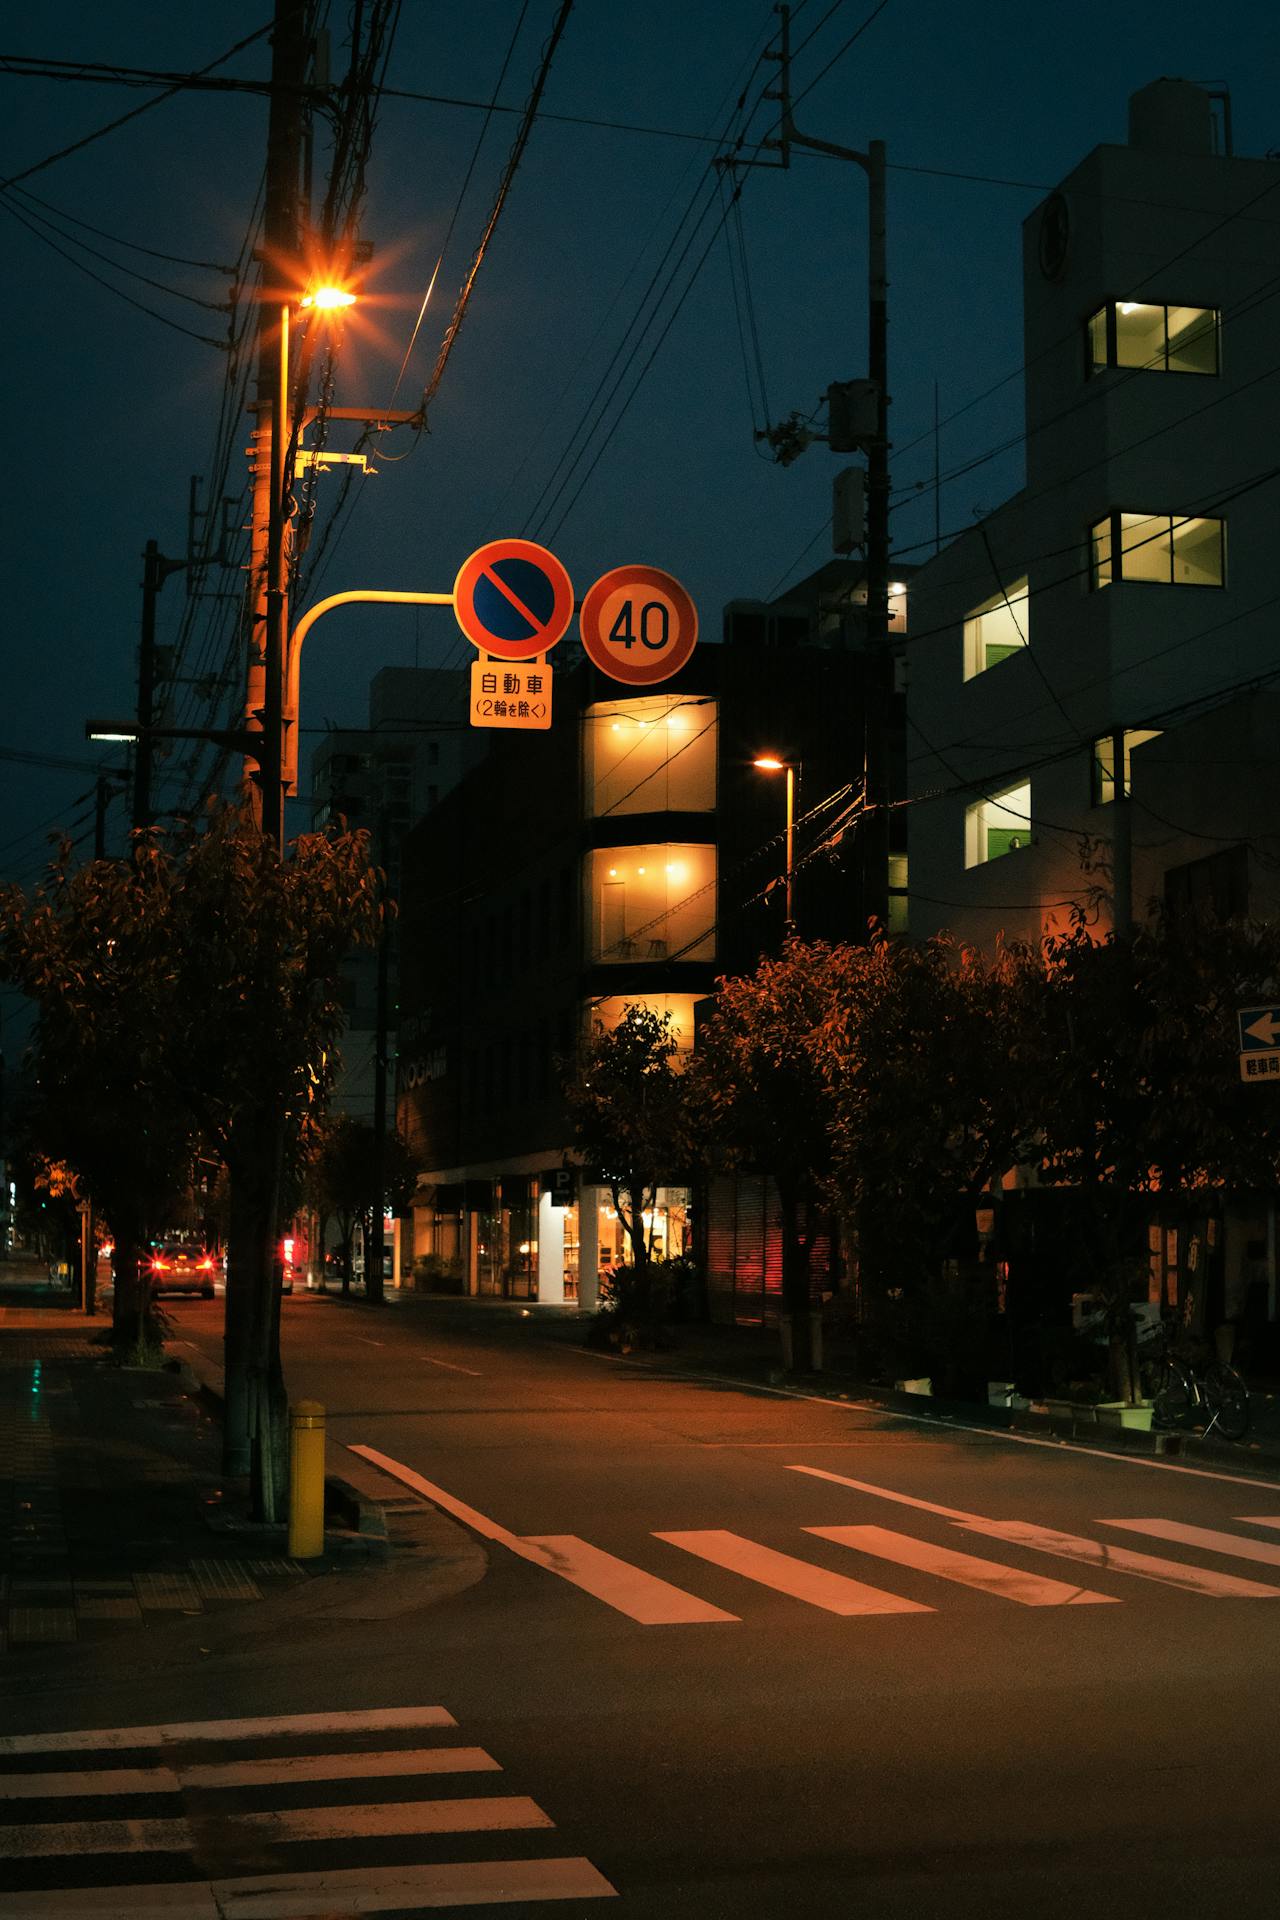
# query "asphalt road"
(751, 1653)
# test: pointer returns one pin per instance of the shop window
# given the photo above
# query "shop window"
(652, 903)
(650, 755)
(1104, 763)
(997, 824)
(1163, 549)
(997, 629)
(1158, 339)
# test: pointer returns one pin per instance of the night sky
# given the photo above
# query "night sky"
(109, 412)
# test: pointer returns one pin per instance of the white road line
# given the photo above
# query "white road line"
(451, 1366)
(500, 1813)
(247, 1773)
(1258, 1519)
(1099, 1553)
(299, 1896)
(642, 1596)
(1233, 1543)
(884, 1493)
(621, 1586)
(800, 1579)
(95, 1836)
(989, 1576)
(260, 1727)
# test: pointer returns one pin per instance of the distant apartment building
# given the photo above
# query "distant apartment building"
(1089, 724)
(1084, 725)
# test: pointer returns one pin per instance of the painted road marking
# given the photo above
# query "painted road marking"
(247, 1773)
(642, 1596)
(501, 1813)
(884, 1493)
(1099, 1553)
(619, 1585)
(989, 1576)
(95, 1836)
(801, 1579)
(451, 1366)
(375, 1720)
(1233, 1543)
(299, 1896)
(1258, 1519)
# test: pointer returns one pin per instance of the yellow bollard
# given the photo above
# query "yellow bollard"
(306, 1480)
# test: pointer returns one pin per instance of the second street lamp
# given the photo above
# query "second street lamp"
(770, 763)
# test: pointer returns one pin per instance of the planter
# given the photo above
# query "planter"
(1118, 1413)
(1076, 1413)
(1000, 1393)
(914, 1386)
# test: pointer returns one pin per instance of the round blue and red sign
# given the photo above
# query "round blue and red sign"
(513, 599)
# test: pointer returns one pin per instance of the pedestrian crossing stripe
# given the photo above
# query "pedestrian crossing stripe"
(406, 1887)
(653, 1601)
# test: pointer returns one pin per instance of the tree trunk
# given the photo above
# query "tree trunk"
(255, 1416)
(796, 1296)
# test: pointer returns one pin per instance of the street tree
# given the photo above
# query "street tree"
(929, 1054)
(89, 947)
(343, 1179)
(759, 1071)
(635, 1119)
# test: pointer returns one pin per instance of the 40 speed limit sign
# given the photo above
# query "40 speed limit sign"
(638, 625)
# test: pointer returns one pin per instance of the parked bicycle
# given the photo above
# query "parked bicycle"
(1183, 1393)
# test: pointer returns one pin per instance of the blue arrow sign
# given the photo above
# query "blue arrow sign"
(1259, 1028)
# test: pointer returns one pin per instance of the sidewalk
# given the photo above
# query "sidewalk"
(115, 1516)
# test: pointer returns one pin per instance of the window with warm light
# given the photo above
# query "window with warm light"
(604, 1015)
(651, 755)
(1163, 549)
(1159, 339)
(997, 824)
(997, 629)
(652, 903)
(1104, 763)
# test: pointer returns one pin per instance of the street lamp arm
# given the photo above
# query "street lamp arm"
(293, 662)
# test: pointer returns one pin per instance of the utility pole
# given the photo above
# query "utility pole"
(1121, 840)
(879, 682)
(373, 1257)
(155, 571)
(267, 559)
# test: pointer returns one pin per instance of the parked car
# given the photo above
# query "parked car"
(176, 1267)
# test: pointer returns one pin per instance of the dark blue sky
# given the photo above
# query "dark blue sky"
(109, 412)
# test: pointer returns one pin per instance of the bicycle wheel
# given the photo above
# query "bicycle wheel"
(1172, 1398)
(1226, 1395)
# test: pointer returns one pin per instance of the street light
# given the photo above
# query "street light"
(771, 763)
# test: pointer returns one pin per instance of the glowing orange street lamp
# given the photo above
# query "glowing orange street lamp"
(327, 299)
(770, 763)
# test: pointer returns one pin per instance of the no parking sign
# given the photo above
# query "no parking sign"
(513, 599)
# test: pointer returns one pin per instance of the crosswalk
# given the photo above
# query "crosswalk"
(178, 1821)
(656, 1594)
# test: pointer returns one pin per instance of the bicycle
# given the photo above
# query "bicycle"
(1179, 1391)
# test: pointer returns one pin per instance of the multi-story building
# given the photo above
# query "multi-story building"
(1080, 723)
(627, 856)
(1085, 717)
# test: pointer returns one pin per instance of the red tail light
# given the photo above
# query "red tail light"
(206, 1265)
(159, 1266)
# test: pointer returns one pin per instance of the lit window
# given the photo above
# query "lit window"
(651, 755)
(652, 903)
(605, 1014)
(997, 629)
(1104, 762)
(1130, 333)
(1164, 548)
(997, 824)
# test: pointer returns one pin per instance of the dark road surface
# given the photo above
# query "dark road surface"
(735, 1653)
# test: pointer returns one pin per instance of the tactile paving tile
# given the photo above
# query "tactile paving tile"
(94, 1606)
(267, 1567)
(223, 1580)
(33, 1626)
(172, 1592)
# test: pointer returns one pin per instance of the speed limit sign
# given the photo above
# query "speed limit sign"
(638, 625)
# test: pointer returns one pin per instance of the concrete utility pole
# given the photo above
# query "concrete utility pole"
(879, 684)
(373, 1258)
(264, 706)
(155, 571)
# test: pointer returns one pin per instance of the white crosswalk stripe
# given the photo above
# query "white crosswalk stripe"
(801, 1579)
(1107, 1558)
(176, 1771)
(988, 1576)
(1209, 1538)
